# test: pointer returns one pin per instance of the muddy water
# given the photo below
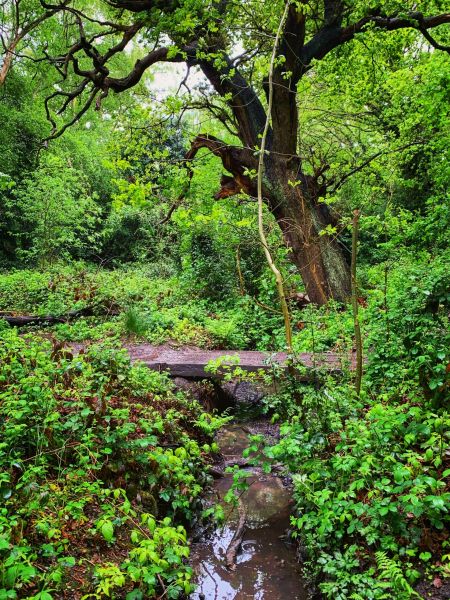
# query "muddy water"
(266, 567)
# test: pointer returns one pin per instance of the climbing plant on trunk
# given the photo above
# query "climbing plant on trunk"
(206, 36)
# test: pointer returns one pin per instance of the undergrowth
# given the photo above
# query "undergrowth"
(371, 475)
(134, 304)
(102, 468)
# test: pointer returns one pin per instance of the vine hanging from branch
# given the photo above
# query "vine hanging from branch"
(262, 235)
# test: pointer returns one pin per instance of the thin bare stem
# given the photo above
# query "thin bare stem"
(262, 235)
(357, 327)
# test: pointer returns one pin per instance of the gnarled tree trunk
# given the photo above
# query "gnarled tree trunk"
(320, 259)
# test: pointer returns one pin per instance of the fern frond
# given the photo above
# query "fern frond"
(391, 571)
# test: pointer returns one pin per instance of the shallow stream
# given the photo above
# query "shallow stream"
(266, 566)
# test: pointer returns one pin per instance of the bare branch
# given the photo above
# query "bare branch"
(141, 65)
(56, 133)
(369, 160)
(236, 160)
(78, 12)
(430, 39)
(244, 102)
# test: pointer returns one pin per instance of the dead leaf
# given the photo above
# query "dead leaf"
(437, 582)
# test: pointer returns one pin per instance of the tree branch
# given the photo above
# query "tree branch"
(329, 37)
(367, 162)
(244, 101)
(219, 69)
(430, 39)
(285, 77)
(142, 5)
(141, 65)
(288, 73)
(21, 32)
(235, 160)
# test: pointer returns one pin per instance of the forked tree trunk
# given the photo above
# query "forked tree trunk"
(319, 258)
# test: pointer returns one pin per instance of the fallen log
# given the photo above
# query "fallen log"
(47, 320)
(190, 363)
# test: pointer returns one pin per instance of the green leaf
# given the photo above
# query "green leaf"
(67, 561)
(4, 544)
(134, 595)
(43, 596)
(107, 530)
(425, 556)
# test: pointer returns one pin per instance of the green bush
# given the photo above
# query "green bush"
(94, 451)
(209, 270)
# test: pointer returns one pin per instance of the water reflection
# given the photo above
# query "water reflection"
(266, 568)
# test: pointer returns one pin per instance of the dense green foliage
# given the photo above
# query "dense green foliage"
(94, 453)
(371, 474)
(103, 464)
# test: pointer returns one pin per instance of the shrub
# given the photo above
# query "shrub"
(94, 452)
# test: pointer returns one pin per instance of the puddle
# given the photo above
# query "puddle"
(266, 567)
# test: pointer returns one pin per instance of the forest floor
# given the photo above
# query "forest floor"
(105, 463)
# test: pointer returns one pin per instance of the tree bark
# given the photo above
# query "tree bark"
(319, 258)
(7, 61)
(262, 235)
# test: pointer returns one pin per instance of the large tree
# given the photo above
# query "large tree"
(229, 41)
(19, 20)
